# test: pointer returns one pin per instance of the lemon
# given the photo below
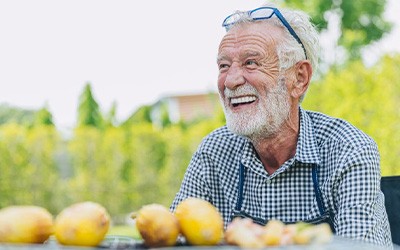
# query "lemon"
(200, 222)
(25, 224)
(82, 224)
(157, 226)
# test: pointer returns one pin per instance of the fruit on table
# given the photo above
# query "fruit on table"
(307, 233)
(244, 233)
(82, 224)
(322, 233)
(273, 232)
(25, 224)
(200, 222)
(157, 226)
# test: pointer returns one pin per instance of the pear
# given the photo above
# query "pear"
(25, 224)
(200, 222)
(82, 224)
(157, 226)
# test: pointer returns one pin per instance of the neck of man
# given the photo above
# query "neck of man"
(275, 150)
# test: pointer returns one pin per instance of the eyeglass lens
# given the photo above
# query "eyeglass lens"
(261, 13)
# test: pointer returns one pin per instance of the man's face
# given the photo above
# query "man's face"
(253, 92)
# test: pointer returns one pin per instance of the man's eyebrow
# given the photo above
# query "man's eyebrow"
(246, 54)
(221, 57)
(251, 54)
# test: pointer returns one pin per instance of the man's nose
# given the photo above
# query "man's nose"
(234, 77)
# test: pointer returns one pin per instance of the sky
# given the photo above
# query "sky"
(131, 52)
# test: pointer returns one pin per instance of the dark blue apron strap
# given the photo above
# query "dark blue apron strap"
(240, 188)
(317, 190)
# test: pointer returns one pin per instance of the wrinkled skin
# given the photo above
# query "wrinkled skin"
(260, 101)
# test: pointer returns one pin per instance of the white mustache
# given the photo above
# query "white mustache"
(240, 91)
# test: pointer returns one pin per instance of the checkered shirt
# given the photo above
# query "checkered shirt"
(348, 173)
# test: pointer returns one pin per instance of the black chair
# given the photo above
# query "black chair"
(390, 186)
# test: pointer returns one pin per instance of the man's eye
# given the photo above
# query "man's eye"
(223, 66)
(251, 63)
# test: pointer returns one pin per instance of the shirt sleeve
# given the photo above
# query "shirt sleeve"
(194, 183)
(361, 212)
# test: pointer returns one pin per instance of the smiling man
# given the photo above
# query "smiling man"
(273, 159)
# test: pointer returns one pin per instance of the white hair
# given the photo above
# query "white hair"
(289, 50)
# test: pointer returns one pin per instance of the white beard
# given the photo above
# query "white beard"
(263, 120)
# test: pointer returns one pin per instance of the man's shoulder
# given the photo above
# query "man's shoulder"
(331, 128)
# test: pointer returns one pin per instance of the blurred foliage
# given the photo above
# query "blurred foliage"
(89, 113)
(29, 173)
(110, 119)
(360, 22)
(16, 115)
(124, 230)
(141, 115)
(121, 167)
(43, 117)
(367, 97)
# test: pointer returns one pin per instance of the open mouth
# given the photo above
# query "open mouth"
(237, 101)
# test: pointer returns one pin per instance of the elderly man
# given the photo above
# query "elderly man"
(273, 159)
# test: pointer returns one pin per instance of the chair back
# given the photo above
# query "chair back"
(390, 186)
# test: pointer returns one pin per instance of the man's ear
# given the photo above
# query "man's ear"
(303, 73)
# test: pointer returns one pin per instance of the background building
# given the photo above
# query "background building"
(185, 108)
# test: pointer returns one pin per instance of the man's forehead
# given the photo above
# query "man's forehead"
(251, 38)
(253, 32)
(261, 27)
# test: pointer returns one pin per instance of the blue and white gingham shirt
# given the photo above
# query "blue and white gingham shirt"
(348, 173)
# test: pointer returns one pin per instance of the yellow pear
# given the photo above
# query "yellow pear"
(82, 224)
(25, 224)
(200, 222)
(157, 226)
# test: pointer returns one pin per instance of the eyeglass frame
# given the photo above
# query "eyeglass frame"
(274, 11)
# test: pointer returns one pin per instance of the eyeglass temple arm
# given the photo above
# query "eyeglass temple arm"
(290, 29)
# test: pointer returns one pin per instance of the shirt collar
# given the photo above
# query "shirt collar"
(250, 158)
(307, 148)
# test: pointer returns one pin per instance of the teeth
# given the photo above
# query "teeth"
(244, 99)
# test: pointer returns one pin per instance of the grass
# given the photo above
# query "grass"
(124, 230)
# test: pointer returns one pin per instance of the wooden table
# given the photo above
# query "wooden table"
(120, 243)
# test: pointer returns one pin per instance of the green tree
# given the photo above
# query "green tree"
(111, 117)
(89, 113)
(165, 120)
(141, 115)
(43, 117)
(360, 22)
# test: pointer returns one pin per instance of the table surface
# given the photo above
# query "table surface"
(118, 242)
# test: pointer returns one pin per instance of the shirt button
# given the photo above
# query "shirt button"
(268, 181)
